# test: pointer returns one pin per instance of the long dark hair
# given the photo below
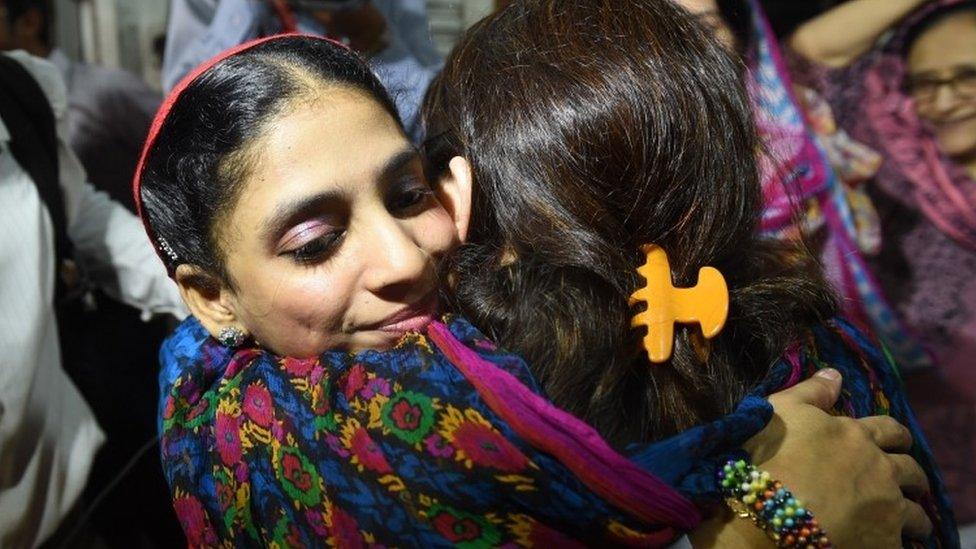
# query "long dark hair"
(593, 129)
(193, 170)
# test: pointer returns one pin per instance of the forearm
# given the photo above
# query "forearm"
(839, 36)
(113, 246)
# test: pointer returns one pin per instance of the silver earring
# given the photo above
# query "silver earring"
(231, 336)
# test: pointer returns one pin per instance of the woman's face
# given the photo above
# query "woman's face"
(942, 77)
(708, 14)
(335, 238)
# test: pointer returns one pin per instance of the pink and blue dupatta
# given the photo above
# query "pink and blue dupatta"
(796, 175)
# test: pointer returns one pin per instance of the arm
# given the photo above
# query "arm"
(838, 36)
(112, 244)
(109, 240)
(116, 252)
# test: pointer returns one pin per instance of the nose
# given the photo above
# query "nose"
(397, 267)
(945, 100)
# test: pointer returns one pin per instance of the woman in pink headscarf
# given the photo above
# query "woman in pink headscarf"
(813, 172)
(913, 99)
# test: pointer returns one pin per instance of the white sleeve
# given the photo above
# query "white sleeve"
(114, 250)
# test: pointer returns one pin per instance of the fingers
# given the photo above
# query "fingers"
(909, 474)
(917, 523)
(821, 390)
(887, 433)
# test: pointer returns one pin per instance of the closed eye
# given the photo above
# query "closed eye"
(316, 250)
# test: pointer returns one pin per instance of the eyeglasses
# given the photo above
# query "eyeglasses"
(962, 82)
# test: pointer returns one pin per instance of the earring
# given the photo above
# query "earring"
(231, 336)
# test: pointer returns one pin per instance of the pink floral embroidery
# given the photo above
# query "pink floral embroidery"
(257, 404)
(355, 380)
(487, 448)
(228, 438)
(298, 367)
(438, 447)
(369, 454)
(194, 520)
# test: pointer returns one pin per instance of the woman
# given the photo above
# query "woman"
(913, 100)
(810, 167)
(570, 179)
(286, 201)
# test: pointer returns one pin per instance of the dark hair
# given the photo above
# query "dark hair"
(932, 19)
(593, 130)
(193, 170)
(18, 8)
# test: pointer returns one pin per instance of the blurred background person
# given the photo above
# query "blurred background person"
(109, 110)
(109, 351)
(53, 218)
(893, 211)
(913, 99)
(393, 34)
(813, 173)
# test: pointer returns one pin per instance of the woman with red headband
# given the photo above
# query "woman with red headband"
(287, 202)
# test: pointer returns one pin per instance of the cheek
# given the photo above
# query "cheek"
(435, 232)
(294, 311)
(958, 139)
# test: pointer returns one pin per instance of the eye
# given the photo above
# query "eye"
(410, 196)
(317, 249)
(966, 76)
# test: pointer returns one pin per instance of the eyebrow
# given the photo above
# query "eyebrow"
(962, 67)
(398, 162)
(292, 212)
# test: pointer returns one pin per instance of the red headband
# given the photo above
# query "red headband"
(162, 248)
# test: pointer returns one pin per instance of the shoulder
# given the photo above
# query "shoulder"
(48, 77)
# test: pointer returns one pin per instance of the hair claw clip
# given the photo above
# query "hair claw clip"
(706, 304)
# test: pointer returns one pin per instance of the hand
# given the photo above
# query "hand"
(848, 472)
(852, 473)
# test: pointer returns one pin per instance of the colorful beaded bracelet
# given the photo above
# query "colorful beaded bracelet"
(752, 493)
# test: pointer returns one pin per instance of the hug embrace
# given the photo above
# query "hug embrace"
(393, 346)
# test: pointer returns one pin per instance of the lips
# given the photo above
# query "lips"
(413, 318)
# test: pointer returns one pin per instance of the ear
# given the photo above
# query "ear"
(209, 299)
(454, 192)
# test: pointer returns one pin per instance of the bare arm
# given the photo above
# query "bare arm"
(840, 35)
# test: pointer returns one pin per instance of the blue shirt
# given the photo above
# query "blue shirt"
(200, 29)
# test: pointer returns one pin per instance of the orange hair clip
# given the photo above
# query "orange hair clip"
(706, 304)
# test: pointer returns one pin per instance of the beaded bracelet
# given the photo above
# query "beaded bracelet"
(752, 493)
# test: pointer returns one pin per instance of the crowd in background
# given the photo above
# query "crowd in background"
(866, 111)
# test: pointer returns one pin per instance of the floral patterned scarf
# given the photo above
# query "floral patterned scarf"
(445, 441)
